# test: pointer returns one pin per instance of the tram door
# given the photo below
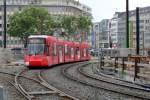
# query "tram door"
(60, 52)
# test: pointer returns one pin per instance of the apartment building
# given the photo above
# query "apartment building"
(118, 29)
(102, 33)
(96, 32)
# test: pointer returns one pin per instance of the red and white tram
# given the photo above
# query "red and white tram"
(43, 50)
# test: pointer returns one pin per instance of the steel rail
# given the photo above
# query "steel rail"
(29, 95)
(61, 93)
(80, 69)
(20, 88)
(146, 88)
(66, 74)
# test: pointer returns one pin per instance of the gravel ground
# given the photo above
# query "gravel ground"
(81, 91)
(55, 78)
(30, 85)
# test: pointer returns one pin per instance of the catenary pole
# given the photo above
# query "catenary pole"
(137, 31)
(127, 23)
(4, 24)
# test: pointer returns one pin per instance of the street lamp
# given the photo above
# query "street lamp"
(4, 41)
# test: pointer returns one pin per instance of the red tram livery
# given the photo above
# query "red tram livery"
(43, 50)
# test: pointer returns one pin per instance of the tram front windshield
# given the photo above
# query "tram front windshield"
(36, 46)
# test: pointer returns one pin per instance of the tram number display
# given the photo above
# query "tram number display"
(36, 41)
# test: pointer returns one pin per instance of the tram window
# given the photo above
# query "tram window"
(69, 51)
(47, 50)
(55, 50)
(77, 51)
(72, 51)
(66, 50)
(36, 41)
(60, 49)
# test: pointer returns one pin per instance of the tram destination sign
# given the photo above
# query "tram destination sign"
(36, 41)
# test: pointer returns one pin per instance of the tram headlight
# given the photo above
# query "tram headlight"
(27, 63)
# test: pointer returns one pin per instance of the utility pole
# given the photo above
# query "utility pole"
(137, 31)
(127, 23)
(137, 59)
(4, 6)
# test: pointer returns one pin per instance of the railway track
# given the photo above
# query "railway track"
(32, 95)
(92, 81)
(109, 79)
(59, 92)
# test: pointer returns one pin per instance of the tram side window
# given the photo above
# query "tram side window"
(47, 50)
(60, 48)
(55, 50)
(66, 50)
(50, 48)
(77, 51)
(69, 51)
(72, 51)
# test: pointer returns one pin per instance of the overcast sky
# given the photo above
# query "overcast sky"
(104, 9)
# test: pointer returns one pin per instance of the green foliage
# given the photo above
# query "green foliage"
(69, 23)
(84, 23)
(75, 25)
(30, 20)
(35, 20)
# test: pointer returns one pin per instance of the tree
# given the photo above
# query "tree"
(84, 24)
(31, 20)
(76, 25)
(69, 24)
